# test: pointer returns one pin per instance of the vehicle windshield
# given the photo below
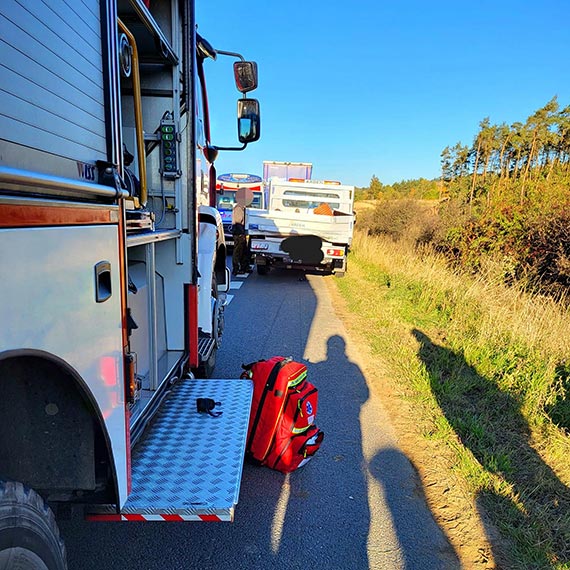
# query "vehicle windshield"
(227, 200)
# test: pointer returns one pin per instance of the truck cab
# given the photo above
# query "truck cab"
(227, 187)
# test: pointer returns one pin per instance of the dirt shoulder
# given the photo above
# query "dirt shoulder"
(453, 509)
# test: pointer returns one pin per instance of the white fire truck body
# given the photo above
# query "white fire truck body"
(113, 274)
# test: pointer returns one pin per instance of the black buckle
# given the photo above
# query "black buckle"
(206, 405)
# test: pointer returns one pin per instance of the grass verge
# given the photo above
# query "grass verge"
(485, 370)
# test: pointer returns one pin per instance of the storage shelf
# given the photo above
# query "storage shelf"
(150, 237)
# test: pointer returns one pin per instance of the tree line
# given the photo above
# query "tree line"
(505, 197)
(421, 188)
(505, 160)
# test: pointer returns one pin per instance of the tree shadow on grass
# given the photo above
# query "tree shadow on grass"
(527, 502)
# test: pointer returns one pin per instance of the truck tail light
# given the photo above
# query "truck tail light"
(335, 252)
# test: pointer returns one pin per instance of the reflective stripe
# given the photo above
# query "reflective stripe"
(296, 381)
(155, 517)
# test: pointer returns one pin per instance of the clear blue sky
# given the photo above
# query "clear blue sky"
(381, 87)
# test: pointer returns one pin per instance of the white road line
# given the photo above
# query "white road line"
(236, 284)
(229, 299)
(279, 515)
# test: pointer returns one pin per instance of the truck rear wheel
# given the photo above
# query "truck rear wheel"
(262, 269)
(29, 537)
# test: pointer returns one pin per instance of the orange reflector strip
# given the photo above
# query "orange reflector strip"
(14, 216)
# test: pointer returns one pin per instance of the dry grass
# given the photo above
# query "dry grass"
(487, 369)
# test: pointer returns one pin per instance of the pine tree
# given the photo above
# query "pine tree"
(375, 187)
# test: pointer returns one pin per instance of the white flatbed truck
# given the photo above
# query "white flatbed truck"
(307, 225)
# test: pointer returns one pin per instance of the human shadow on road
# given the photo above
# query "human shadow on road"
(422, 543)
(490, 424)
(333, 484)
(350, 493)
(318, 517)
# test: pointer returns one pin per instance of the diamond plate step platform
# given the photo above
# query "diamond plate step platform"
(188, 465)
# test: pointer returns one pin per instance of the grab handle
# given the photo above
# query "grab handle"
(102, 281)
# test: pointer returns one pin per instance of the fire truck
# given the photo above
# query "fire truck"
(113, 272)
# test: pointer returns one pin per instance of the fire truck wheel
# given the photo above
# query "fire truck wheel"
(29, 537)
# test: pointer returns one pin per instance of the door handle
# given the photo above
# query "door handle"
(102, 281)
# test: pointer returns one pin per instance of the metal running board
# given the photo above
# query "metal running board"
(205, 348)
(188, 466)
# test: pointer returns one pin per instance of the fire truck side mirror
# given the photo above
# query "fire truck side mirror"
(245, 73)
(249, 122)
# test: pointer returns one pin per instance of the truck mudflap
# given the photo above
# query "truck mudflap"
(188, 467)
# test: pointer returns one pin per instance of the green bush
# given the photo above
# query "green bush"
(514, 230)
(532, 245)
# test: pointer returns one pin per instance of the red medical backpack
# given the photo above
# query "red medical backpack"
(282, 434)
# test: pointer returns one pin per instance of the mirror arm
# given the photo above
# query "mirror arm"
(231, 147)
(230, 53)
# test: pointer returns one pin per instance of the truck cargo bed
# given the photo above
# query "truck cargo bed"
(334, 229)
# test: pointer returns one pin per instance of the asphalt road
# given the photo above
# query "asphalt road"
(357, 505)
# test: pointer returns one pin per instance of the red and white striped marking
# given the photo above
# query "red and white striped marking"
(161, 518)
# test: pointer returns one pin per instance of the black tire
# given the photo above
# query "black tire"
(262, 269)
(29, 537)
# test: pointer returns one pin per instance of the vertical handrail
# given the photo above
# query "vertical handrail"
(138, 111)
